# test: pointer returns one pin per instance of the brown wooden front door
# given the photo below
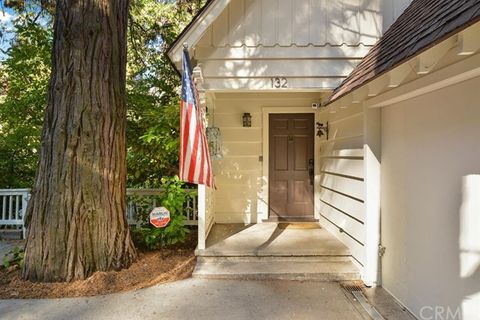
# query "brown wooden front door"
(291, 165)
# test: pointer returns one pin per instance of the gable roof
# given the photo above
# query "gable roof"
(422, 25)
(195, 29)
(190, 24)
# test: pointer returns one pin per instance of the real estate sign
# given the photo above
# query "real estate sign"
(160, 217)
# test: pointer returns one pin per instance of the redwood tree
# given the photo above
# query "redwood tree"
(76, 217)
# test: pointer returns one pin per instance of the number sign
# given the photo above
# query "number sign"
(279, 82)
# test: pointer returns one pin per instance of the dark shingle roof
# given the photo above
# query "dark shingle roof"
(422, 25)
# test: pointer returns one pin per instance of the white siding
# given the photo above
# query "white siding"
(430, 147)
(239, 175)
(314, 44)
(301, 22)
(341, 179)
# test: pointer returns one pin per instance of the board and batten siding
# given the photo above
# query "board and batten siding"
(313, 44)
(340, 177)
(241, 184)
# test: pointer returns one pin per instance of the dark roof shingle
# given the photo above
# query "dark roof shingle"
(422, 25)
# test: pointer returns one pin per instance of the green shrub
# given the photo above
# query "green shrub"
(174, 197)
(13, 257)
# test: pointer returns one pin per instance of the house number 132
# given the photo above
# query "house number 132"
(279, 82)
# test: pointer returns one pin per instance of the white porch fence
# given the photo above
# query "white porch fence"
(13, 206)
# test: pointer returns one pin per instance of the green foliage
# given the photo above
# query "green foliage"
(24, 76)
(152, 90)
(13, 257)
(152, 87)
(173, 198)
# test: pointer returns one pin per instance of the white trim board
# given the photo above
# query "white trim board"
(197, 29)
(458, 72)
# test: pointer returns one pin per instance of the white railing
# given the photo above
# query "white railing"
(13, 206)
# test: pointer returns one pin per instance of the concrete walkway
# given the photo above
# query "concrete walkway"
(266, 239)
(201, 299)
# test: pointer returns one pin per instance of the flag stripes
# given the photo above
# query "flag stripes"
(195, 164)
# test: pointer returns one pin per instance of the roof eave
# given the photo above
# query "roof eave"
(194, 31)
(333, 98)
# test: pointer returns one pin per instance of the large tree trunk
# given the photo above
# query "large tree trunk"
(76, 217)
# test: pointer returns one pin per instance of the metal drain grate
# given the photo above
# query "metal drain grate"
(356, 289)
(372, 312)
(352, 286)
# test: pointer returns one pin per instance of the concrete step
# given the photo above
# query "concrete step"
(283, 268)
(319, 251)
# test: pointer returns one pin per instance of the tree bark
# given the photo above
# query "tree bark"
(76, 217)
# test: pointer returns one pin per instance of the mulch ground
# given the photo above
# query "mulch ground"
(150, 269)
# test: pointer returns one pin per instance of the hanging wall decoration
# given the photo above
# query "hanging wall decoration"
(322, 129)
(214, 138)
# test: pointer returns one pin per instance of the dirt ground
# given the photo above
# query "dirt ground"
(148, 270)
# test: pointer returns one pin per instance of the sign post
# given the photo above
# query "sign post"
(159, 218)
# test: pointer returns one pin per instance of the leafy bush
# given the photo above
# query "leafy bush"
(173, 198)
(13, 257)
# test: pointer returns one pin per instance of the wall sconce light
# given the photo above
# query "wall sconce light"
(247, 120)
(322, 129)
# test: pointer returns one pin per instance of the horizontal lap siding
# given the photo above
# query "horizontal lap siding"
(356, 249)
(343, 166)
(239, 178)
(341, 179)
(238, 173)
(345, 222)
(346, 186)
(238, 163)
(242, 148)
(351, 126)
(351, 207)
(228, 178)
(256, 68)
(348, 147)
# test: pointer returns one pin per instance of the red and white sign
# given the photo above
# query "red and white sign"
(160, 217)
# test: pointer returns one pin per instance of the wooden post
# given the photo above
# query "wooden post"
(201, 217)
(372, 152)
(25, 198)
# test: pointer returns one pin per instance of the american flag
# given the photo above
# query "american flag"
(195, 164)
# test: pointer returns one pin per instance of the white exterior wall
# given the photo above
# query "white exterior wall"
(241, 46)
(241, 178)
(313, 44)
(430, 201)
(340, 177)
